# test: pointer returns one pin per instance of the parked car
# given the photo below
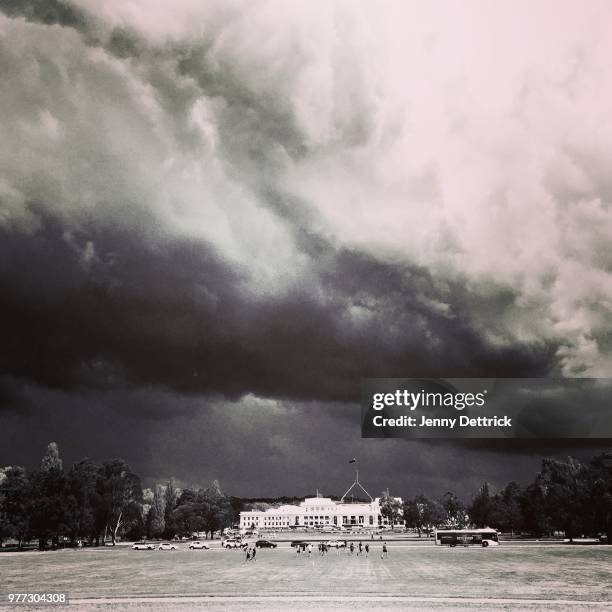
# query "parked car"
(335, 544)
(198, 545)
(166, 546)
(233, 543)
(142, 546)
(265, 544)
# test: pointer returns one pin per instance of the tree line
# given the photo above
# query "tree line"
(565, 496)
(98, 503)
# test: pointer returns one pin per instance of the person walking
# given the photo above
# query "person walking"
(352, 548)
(360, 548)
(384, 552)
(253, 553)
(309, 550)
(248, 553)
(367, 550)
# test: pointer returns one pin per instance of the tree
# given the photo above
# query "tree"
(171, 497)
(237, 506)
(456, 516)
(534, 511)
(412, 515)
(158, 512)
(51, 506)
(564, 486)
(390, 509)
(135, 528)
(82, 480)
(186, 519)
(423, 514)
(214, 508)
(120, 496)
(5, 530)
(599, 499)
(506, 512)
(51, 460)
(14, 500)
(481, 508)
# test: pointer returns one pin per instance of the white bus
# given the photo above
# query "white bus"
(466, 537)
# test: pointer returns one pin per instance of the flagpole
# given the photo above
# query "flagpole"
(356, 483)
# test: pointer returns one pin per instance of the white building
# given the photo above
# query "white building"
(319, 512)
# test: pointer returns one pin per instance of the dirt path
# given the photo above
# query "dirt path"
(338, 599)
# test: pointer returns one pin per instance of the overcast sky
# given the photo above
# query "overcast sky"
(217, 217)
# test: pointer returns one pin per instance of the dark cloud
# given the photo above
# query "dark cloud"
(259, 447)
(123, 43)
(14, 395)
(47, 12)
(105, 306)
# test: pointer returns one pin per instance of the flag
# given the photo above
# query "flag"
(353, 460)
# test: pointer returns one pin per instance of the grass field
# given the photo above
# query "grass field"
(460, 577)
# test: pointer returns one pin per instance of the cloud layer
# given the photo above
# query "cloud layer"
(274, 200)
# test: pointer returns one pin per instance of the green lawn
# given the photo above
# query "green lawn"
(536, 572)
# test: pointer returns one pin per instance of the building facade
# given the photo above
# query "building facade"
(317, 512)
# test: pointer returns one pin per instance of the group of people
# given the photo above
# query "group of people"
(365, 550)
(307, 549)
(361, 549)
(250, 553)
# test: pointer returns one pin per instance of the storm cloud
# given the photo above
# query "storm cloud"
(230, 202)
